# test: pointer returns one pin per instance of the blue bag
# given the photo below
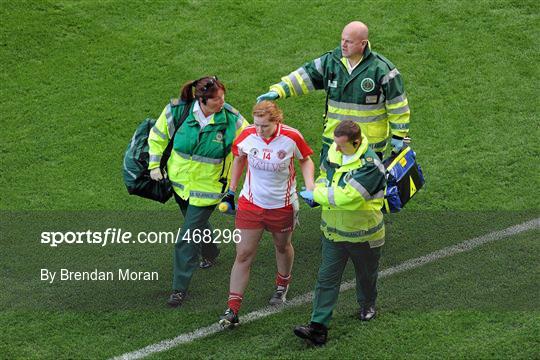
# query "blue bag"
(403, 179)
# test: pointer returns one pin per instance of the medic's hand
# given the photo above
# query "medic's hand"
(397, 143)
(307, 196)
(271, 95)
(155, 174)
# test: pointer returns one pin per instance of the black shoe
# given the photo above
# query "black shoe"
(367, 312)
(315, 334)
(176, 299)
(207, 263)
(229, 319)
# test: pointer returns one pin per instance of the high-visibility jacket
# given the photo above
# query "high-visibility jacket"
(200, 163)
(351, 196)
(372, 95)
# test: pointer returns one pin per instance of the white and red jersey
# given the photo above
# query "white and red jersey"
(270, 179)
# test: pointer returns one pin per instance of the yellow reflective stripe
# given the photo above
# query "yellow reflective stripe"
(399, 157)
(294, 82)
(360, 119)
(395, 105)
(356, 113)
(289, 83)
(279, 89)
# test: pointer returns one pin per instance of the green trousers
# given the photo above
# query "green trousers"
(187, 253)
(334, 258)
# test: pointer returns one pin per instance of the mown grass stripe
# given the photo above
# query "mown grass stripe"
(464, 246)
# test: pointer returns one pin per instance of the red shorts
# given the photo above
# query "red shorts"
(251, 216)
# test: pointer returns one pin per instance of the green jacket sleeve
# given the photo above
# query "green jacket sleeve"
(397, 105)
(307, 78)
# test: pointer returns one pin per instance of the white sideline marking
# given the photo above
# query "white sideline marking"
(303, 299)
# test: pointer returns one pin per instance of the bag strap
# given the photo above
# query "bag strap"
(167, 152)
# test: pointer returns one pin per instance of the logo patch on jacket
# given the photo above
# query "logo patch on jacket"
(367, 84)
(219, 137)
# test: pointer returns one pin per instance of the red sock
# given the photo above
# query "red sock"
(235, 302)
(283, 280)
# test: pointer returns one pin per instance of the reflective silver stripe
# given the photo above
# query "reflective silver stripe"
(396, 100)
(350, 106)
(379, 165)
(331, 199)
(159, 133)
(239, 122)
(399, 126)
(170, 120)
(321, 180)
(198, 158)
(360, 119)
(206, 160)
(295, 83)
(360, 188)
(376, 243)
(306, 79)
(155, 158)
(206, 195)
(353, 234)
(318, 65)
(392, 74)
(183, 155)
(398, 111)
(178, 185)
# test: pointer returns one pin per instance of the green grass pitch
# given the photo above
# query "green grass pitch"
(77, 78)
